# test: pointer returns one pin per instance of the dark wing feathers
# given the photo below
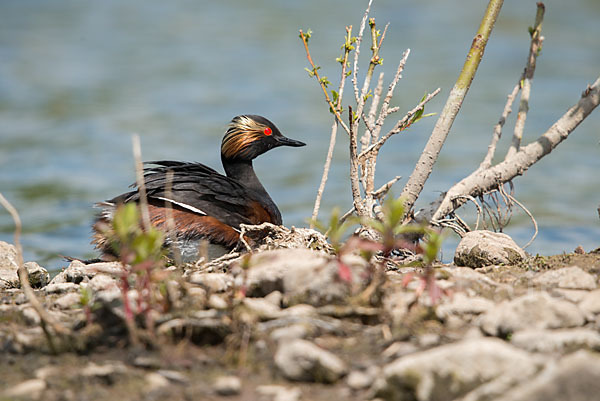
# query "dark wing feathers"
(196, 185)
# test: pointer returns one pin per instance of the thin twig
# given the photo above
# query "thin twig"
(479, 211)
(400, 126)
(384, 189)
(334, 126)
(528, 213)
(45, 318)
(487, 161)
(370, 120)
(315, 72)
(361, 30)
(534, 49)
(385, 111)
(139, 177)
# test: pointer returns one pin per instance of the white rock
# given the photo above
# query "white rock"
(155, 381)
(574, 296)
(398, 349)
(101, 282)
(563, 340)
(30, 316)
(106, 370)
(537, 310)
(590, 304)
(9, 278)
(301, 310)
(79, 272)
(227, 385)
(483, 248)
(262, 308)
(460, 304)
(30, 388)
(214, 282)
(59, 288)
(453, 371)
(303, 276)
(275, 298)
(361, 379)
(302, 360)
(574, 278)
(280, 393)
(289, 332)
(217, 302)
(68, 301)
(575, 377)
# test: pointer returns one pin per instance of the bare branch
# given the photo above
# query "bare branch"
(315, 72)
(482, 181)
(334, 126)
(354, 179)
(534, 49)
(385, 188)
(361, 30)
(487, 161)
(399, 127)
(424, 166)
(367, 137)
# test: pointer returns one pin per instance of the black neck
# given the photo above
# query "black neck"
(243, 172)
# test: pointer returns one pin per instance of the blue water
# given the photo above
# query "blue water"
(77, 78)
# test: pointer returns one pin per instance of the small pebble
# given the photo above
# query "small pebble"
(228, 385)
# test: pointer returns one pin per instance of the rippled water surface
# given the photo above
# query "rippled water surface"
(77, 78)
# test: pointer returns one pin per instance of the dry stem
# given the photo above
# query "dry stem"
(46, 320)
(334, 127)
(534, 49)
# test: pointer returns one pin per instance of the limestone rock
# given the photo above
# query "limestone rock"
(227, 385)
(302, 360)
(453, 371)
(9, 278)
(537, 310)
(155, 381)
(101, 282)
(573, 277)
(303, 276)
(591, 303)
(31, 389)
(214, 282)
(262, 308)
(483, 248)
(267, 269)
(279, 393)
(564, 340)
(460, 304)
(38, 276)
(68, 300)
(361, 379)
(60, 288)
(575, 377)
(78, 272)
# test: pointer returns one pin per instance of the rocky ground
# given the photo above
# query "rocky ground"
(300, 324)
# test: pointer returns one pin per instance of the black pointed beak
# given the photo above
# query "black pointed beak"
(284, 141)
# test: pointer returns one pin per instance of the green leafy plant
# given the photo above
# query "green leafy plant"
(142, 255)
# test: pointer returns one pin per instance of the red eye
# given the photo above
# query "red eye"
(268, 131)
